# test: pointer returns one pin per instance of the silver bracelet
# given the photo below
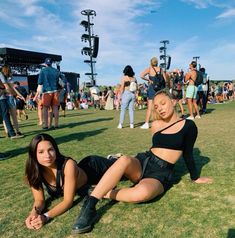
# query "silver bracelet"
(46, 216)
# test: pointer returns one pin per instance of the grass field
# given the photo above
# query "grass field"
(186, 210)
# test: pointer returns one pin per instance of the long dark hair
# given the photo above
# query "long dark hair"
(128, 71)
(33, 170)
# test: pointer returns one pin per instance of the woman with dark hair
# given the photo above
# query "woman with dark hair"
(128, 96)
(152, 171)
(60, 175)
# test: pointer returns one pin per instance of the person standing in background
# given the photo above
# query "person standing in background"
(151, 71)
(5, 88)
(49, 78)
(191, 91)
(128, 97)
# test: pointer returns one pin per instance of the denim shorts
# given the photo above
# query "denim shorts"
(11, 101)
(191, 92)
(150, 92)
(154, 167)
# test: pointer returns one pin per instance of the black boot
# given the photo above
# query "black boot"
(86, 219)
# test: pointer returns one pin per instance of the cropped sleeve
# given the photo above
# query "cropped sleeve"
(189, 140)
(40, 77)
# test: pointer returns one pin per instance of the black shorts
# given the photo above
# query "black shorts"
(63, 105)
(154, 167)
(20, 104)
(95, 166)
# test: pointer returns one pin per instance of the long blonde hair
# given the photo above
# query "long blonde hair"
(154, 62)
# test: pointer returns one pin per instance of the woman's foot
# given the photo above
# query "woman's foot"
(119, 126)
(86, 219)
(145, 126)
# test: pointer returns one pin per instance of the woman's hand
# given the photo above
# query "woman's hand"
(38, 222)
(204, 180)
(29, 220)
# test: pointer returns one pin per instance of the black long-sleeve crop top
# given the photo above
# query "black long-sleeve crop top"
(182, 140)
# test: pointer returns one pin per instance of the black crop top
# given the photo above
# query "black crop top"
(57, 191)
(127, 83)
(182, 140)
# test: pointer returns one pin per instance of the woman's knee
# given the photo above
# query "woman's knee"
(125, 161)
(142, 195)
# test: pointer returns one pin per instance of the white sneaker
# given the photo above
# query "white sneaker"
(197, 117)
(131, 126)
(115, 156)
(145, 126)
(119, 126)
(190, 118)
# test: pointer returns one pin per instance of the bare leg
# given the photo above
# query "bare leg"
(56, 115)
(196, 107)
(130, 167)
(190, 106)
(145, 190)
(40, 115)
(149, 110)
(181, 106)
(50, 117)
(45, 115)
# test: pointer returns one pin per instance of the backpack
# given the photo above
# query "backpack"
(199, 79)
(111, 94)
(159, 81)
(133, 86)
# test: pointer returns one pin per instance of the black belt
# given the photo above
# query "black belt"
(162, 163)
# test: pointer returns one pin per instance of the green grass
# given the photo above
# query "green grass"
(186, 210)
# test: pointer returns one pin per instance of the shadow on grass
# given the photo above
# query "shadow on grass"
(60, 140)
(231, 233)
(74, 124)
(180, 168)
(75, 114)
(209, 110)
(104, 208)
(78, 136)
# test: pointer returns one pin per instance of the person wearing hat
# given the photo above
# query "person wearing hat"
(48, 80)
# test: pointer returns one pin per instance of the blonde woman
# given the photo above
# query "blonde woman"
(149, 75)
(152, 171)
(117, 93)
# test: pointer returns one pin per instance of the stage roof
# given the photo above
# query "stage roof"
(22, 59)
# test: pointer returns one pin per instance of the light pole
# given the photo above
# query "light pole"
(166, 58)
(92, 50)
(196, 58)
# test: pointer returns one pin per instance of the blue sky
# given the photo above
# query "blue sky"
(130, 32)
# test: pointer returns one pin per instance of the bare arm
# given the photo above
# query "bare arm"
(144, 74)
(191, 76)
(18, 94)
(9, 88)
(122, 84)
(36, 96)
(70, 187)
(38, 207)
(156, 126)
